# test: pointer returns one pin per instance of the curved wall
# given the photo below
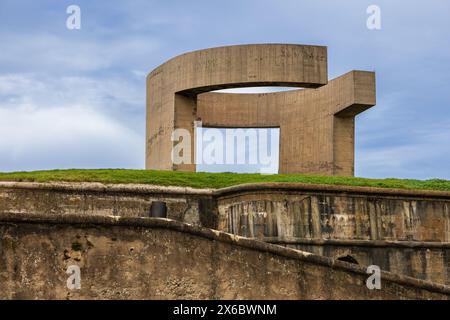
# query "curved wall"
(133, 258)
(403, 231)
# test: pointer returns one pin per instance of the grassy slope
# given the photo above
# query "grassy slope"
(210, 180)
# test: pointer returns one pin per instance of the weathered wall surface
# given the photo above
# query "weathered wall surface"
(406, 232)
(335, 214)
(316, 125)
(144, 258)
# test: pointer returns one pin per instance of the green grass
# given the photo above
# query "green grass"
(211, 180)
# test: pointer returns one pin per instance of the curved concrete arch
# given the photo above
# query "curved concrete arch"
(316, 123)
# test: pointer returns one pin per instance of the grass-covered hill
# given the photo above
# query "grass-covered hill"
(210, 180)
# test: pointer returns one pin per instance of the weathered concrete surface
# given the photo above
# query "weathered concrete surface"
(316, 125)
(183, 204)
(406, 232)
(402, 231)
(144, 258)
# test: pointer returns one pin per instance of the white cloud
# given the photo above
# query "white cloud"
(68, 122)
(66, 52)
(44, 91)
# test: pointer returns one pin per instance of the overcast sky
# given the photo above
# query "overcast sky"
(76, 98)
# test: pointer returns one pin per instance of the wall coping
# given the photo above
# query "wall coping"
(103, 187)
(86, 221)
(228, 191)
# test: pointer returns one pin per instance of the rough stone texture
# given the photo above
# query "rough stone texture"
(145, 258)
(403, 231)
(316, 125)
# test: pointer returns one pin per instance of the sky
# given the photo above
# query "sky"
(76, 98)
